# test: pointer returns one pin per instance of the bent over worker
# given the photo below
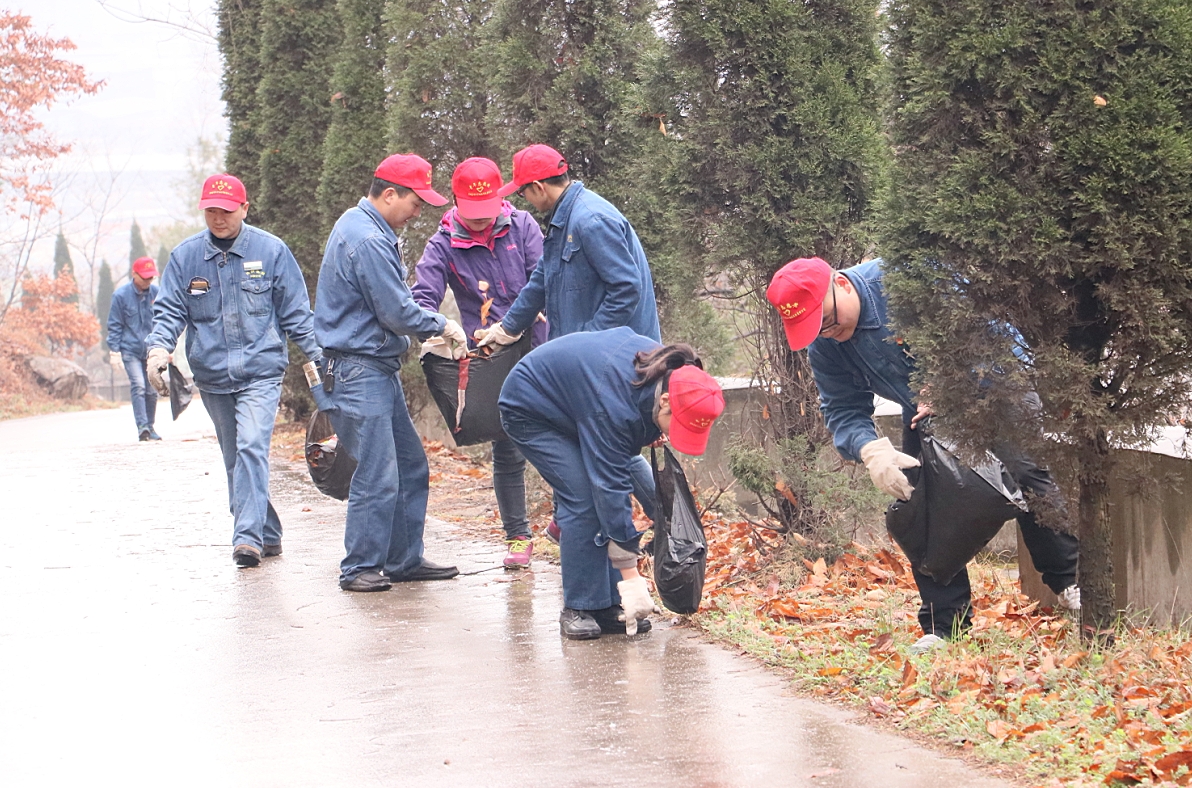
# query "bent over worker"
(580, 408)
(238, 292)
(841, 317)
(364, 317)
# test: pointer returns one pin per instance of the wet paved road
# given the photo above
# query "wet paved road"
(132, 650)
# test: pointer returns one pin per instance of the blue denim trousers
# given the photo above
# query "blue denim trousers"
(509, 485)
(244, 427)
(589, 579)
(144, 396)
(387, 500)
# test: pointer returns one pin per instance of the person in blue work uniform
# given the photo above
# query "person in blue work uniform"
(485, 250)
(129, 322)
(593, 274)
(364, 318)
(238, 292)
(841, 317)
(580, 408)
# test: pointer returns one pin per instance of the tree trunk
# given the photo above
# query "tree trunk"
(1098, 592)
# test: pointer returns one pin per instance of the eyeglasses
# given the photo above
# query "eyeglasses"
(835, 322)
(522, 191)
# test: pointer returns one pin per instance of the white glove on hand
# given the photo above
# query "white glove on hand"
(159, 360)
(117, 362)
(436, 346)
(456, 339)
(636, 599)
(494, 335)
(885, 464)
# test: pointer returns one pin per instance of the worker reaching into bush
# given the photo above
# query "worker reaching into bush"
(580, 408)
(841, 317)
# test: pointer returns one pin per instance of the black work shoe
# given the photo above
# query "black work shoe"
(246, 555)
(426, 571)
(579, 625)
(368, 581)
(144, 435)
(609, 625)
(271, 550)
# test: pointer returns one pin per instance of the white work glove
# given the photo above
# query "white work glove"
(159, 360)
(636, 599)
(436, 346)
(116, 361)
(885, 464)
(456, 339)
(494, 335)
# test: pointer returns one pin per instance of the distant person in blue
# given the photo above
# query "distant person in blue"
(238, 292)
(364, 318)
(841, 318)
(129, 323)
(593, 275)
(580, 408)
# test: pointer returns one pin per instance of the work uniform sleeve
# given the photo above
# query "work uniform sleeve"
(378, 270)
(430, 277)
(115, 323)
(291, 304)
(529, 302)
(607, 455)
(169, 310)
(846, 401)
(607, 247)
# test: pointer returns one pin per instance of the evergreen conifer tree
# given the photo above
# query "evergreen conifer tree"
(62, 262)
(240, 45)
(1044, 197)
(136, 246)
(163, 257)
(103, 298)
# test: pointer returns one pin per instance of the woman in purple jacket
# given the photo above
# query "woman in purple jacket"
(485, 250)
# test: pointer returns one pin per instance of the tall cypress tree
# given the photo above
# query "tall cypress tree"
(103, 298)
(163, 257)
(136, 246)
(355, 141)
(240, 45)
(62, 262)
(1044, 172)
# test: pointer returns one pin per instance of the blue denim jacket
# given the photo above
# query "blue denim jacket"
(582, 385)
(593, 273)
(237, 306)
(872, 361)
(363, 306)
(131, 319)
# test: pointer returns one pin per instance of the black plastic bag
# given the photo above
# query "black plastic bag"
(330, 467)
(182, 391)
(680, 547)
(954, 511)
(482, 377)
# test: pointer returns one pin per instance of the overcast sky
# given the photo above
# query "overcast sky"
(161, 93)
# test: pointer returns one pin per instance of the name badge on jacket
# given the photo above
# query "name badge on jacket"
(254, 269)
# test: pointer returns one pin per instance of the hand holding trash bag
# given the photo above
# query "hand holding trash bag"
(157, 363)
(456, 339)
(495, 334)
(437, 346)
(885, 465)
(636, 601)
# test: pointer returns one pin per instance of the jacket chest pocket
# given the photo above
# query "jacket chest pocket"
(203, 307)
(256, 295)
(577, 273)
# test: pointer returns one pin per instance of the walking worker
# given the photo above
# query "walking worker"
(238, 292)
(129, 323)
(485, 250)
(841, 317)
(580, 408)
(364, 318)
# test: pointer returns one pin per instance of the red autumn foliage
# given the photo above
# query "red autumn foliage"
(46, 321)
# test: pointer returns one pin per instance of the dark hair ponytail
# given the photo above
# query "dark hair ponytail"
(658, 364)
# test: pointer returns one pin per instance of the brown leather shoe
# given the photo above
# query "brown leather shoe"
(271, 550)
(367, 581)
(426, 571)
(245, 555)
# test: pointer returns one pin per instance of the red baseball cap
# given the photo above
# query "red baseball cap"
(535, 163)
(797, 291)
(413, 172)
(144, 267)
(223, 191)
(696, 401)
(475, 183)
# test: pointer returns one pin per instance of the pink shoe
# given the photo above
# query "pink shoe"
(520, 551)
(552, 532)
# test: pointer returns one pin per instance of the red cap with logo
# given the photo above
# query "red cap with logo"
(223, 191)
(413, 172)
(535, 163)
(475, 184)
(696, 401)
(144, 267)
(797, 291)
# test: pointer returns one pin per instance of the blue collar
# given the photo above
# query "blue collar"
(562, 209)
(237, 245)
(870, 317)
(366, 205)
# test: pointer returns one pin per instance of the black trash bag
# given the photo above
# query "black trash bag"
(330, 467)
(182, 391)
(680, 547)
(482, 376)
(954, 511)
